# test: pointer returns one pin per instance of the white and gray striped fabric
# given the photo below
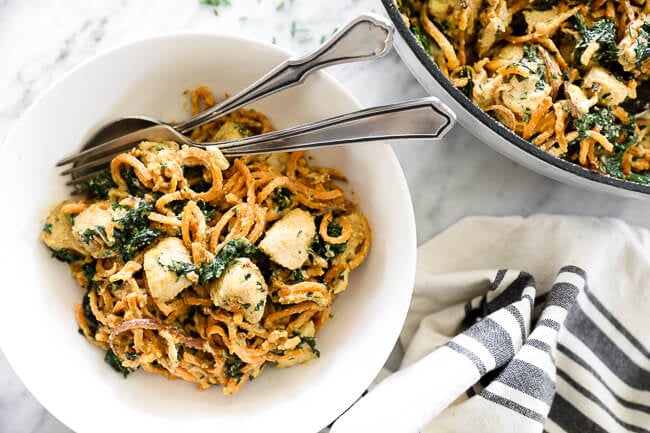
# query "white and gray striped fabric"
(522, 325)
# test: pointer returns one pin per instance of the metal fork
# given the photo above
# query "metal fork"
(366, 37)
(424, 118)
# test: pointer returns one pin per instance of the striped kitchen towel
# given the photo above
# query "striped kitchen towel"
(522, 325)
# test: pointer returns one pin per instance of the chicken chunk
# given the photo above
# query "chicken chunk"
(165, 283)
(578, 101)
(628, 48)
(495, 19)
(57, 232)
(93, 229)
(446, 13)
(289, 238)
(610, 91)
(241, 289)
(360, 235)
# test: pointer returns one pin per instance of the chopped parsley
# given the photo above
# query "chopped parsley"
(47, 228)
(604, 32)
(259, 305)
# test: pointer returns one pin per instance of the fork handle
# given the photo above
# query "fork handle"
(367, 37)
(424, 118)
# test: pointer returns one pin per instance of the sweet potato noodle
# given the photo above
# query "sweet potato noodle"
(555, 72)
(204, 268)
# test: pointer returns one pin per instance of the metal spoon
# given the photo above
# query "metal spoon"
(368, 36)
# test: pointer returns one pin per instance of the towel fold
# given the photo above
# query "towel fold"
(522, 325)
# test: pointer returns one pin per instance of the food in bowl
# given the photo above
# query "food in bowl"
(558, 73)
(207, 269)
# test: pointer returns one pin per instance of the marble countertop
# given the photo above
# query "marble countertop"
(459, 176)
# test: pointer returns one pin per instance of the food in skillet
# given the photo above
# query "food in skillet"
(555, 72)
(204, 268)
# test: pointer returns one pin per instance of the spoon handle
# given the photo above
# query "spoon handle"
(424, 118)
(369, 36)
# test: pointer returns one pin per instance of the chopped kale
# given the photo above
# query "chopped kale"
(235, 248)
(642, 49)
(179, 268)
(133, 184)
(311, 342)
(64, 255)
(532, 55)
(91, 320)
(326, 250)
(90, 233)
(469, 87)
(115, 363)
(233, 367)
(334, 228)
(132, 231)
(620, 135)
(207, 210)
(138, 240)
(99, 185)
(89, 271)
(604, 32)
(422, 38)
(297, 276)
(282, 198)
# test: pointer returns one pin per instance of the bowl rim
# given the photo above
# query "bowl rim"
(493, 124)
(408, 231)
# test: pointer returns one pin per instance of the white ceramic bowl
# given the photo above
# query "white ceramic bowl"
(38, 332)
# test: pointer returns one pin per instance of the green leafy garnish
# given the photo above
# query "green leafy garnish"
(311, 342)
(115, 363)
(282, 198)
(297, 276)
(64, 255)
(179, 268)
(47, 228)
(422, 38)
(235, 248)
(334, 228)
(91, 320)
(326, 250)
(233, 367)
(99, 185)
(642, 49)
(132, 230)
(604, 32)
(620, 135)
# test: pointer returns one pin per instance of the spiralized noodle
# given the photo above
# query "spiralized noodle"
(556, 72)
(206, 269)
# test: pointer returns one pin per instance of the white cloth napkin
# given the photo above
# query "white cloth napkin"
(522, 325)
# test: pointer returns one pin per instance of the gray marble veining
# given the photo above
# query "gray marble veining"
(459, 176)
